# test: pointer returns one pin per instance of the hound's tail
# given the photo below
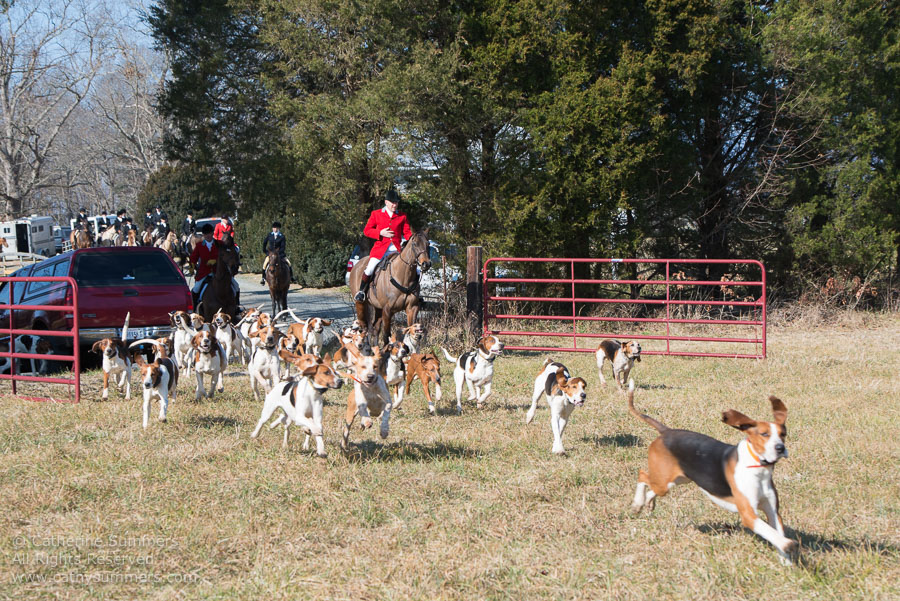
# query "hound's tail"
(659, 426)
(449, 357)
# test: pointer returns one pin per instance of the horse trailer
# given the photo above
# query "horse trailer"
(32, 234)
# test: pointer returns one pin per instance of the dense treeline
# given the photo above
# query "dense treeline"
(668, 128)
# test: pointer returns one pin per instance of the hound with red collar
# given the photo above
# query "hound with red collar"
(564, 393)
(209, 360)
(476, 369)
(158, 380)
(735, 477)
(621, 356)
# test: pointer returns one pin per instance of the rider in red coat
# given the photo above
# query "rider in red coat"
(389, 228)
(203, 258)
(223, 227)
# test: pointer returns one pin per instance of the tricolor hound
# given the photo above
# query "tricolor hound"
(394, 356)
(735, 477)
(302, 399)
(476, 369)
(116, 362)
(229, 337)
(563, 393)
(621, 356)
(160, 380)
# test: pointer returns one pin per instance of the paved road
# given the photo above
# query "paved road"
(330, 303)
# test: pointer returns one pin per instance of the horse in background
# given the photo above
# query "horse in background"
(80, 239)
(278, 278)
(219, 294)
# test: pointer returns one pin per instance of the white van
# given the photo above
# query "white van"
(32, 234)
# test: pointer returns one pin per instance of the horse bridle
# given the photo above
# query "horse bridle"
(415, 262)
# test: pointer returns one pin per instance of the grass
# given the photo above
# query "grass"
(461, 507)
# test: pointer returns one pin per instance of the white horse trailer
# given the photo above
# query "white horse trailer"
(32, 234)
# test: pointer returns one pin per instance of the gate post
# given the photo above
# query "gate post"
(474, 290)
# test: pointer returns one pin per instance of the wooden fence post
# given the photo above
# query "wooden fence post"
(474, 290)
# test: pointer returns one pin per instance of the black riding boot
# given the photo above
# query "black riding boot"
(363, 288)
(195, 297)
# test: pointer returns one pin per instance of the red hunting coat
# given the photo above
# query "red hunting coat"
(221, 230)
(201, 257)
(378, 220)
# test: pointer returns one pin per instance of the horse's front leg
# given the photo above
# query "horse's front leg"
(385, 330)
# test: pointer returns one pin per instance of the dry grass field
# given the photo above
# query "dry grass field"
(462, 507)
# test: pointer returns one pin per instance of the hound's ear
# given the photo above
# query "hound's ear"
(561, 377)
(311, 370)
(326, 322)
(253, 334)
(139, 358)
(96, 347)
(779, 411)
(327, 359)
(738, 420)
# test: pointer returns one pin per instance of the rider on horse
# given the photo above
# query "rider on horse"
(204, 258)
(275, 241)
(388, 228)
(82, 223)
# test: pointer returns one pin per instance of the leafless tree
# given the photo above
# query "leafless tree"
(51, 53)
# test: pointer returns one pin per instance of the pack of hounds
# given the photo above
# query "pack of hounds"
(289, 374)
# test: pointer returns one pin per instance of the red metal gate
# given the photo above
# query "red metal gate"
(674, 282)
(11, 333)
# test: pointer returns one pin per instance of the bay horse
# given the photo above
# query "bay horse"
(80, 239)
(392, 289)
(219, 294)
(278, 277)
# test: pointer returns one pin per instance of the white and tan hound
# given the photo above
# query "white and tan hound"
(342, 357)
(413, 337)
(209, 360)
(564, 393)
(476, 369)
(370, 396)
(621, 356)
(158, 380)
(310, 332)
(264, 367)
(735, 477)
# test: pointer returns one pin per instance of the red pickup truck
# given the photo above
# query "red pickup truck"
(112, 282)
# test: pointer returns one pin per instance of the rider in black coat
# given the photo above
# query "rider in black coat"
(275, 241)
